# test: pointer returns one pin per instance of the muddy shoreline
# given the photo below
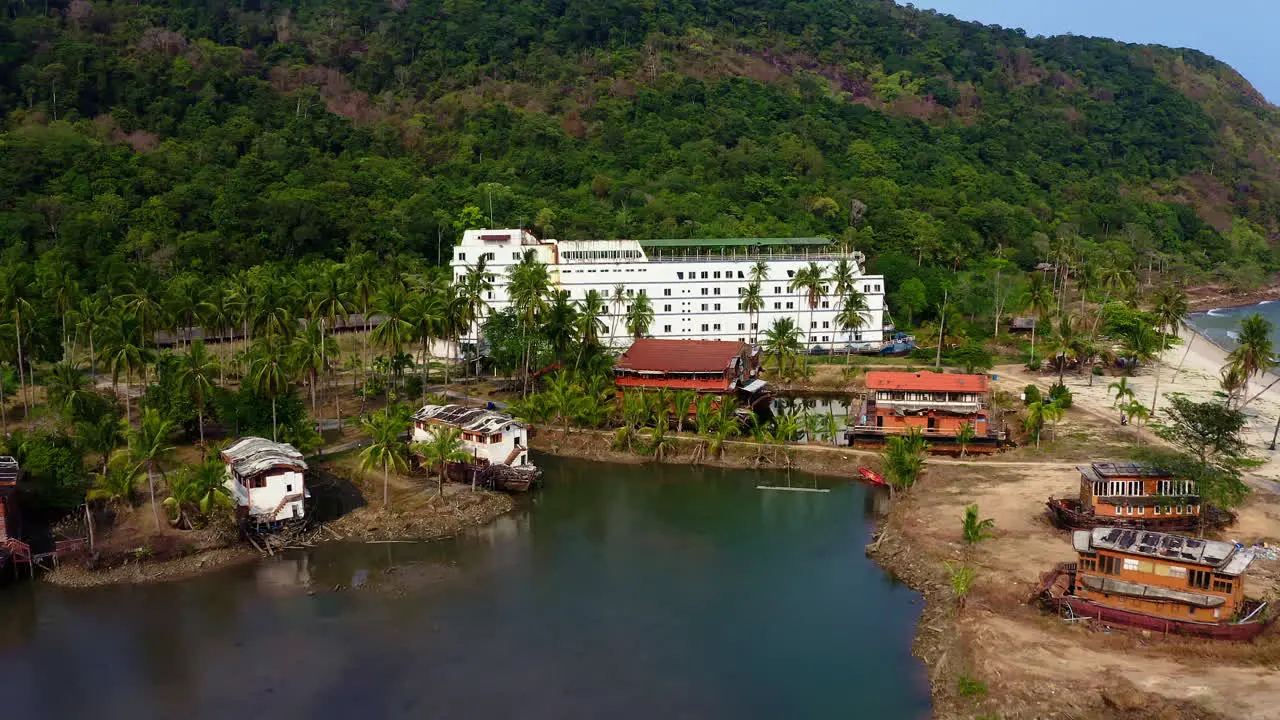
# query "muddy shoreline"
(1202, 299)
(430, 518)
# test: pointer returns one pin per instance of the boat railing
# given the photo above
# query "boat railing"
(927, 432)
(753, 257)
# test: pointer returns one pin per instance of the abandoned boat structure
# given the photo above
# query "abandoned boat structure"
(940, 405)
(1158, 582)
(1135, 495)
(498, 445)
(12, 549)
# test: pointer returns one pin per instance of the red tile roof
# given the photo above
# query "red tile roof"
(927, 382)
(703, 356)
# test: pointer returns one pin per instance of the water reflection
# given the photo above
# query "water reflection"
(820, 417)
(621, 591)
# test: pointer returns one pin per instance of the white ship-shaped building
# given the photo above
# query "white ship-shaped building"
(694, 286)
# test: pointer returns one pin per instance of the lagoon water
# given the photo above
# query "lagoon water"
(619, 592)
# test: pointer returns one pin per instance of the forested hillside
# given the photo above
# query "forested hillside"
(207, 137)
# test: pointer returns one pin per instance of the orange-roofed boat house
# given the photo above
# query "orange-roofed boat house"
(939, 404)
(719, 367)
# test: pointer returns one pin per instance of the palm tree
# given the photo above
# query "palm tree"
(1141, 344)
(1038, 299)
(682, 401)
(560, 323)
(659, 444)
(759, 272)
(1232, 381)
(198, 489)
(1117, 280)
(1086, 282)
(1053, 412)
(753, 303)
(123, 351)
(591, 312)
(17, 291)
(1139, 414)
(196, 372)
(444, 447)
(67, 388)
(471, 304)
(395, 331)
(974, 530)
(965, 436)
(102, 436)
(312, 352)
(844, 278)
(270, 373)
(1065, 344)
(852, 317)
(385, 448)
(150, 448)
(961, 578)
(812, 280)
(90, 316)
(904, 458)
(330, 301)
(1124, 395)
(528, 286)
(428, 316)
(639, 316)
(617, 302)
(1169, 305)
(1034, 421)
(115, 484)
(782, 341)
(186, 301)
(1254, 352)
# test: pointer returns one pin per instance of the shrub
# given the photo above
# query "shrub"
(971, 687)
(1034, 365)
(413, 387)
(1031, 395)
(1097, 370)
(1060, 395)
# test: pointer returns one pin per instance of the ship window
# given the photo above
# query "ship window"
(790, 306)
(666, 291)
(1130, 564)
(704, 307)
(717, 306)
(742, 326)
(1142, 510)
(755, 326)
(739, 274)
(666, 308)
(777, 306)
(704, 327)
(1199, 579)
(777, 290)
(705, 290)
(1109, 565)
(717, 275)
(825, 324)
(716, 326)
(1188, 509)
(462, 256)
(717, 291)
(1178, 572)
(791, 273)
(1221, 586)
(1157, 510)
(679, 276)
(666, 328)
(813, 326)
(877, 288)
(704, 274)
(825, 304)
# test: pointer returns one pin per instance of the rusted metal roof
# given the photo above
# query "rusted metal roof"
(1107, 470)
(927, 382)
(9, 470)
(1226, 558)
(254, 455)
(476, 420)
(680, 356)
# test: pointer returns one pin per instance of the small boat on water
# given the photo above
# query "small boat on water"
(1156, 582)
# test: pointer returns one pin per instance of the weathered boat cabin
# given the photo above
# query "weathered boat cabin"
(1134, 495)
(1157, 581)
(12, 548)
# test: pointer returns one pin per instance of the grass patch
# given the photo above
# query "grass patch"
(971, 687)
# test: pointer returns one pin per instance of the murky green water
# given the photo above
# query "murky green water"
(620, 592)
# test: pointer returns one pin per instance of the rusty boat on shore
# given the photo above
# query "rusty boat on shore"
(1137, 496)
(1156, 582)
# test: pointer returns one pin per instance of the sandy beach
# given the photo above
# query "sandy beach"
(1191, 368)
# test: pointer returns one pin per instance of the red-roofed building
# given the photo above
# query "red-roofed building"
(937, 403)
(705, 366)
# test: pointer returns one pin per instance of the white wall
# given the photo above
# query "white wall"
(494, 453)
(263, 501)
(685, 303)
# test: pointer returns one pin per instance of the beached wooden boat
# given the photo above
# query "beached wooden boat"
(1134, 495)
(1071, 514)
(1054, 592)
(1158, 582)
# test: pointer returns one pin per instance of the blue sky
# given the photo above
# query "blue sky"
(1241, 33)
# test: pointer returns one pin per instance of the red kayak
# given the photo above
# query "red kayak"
(872, 476)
